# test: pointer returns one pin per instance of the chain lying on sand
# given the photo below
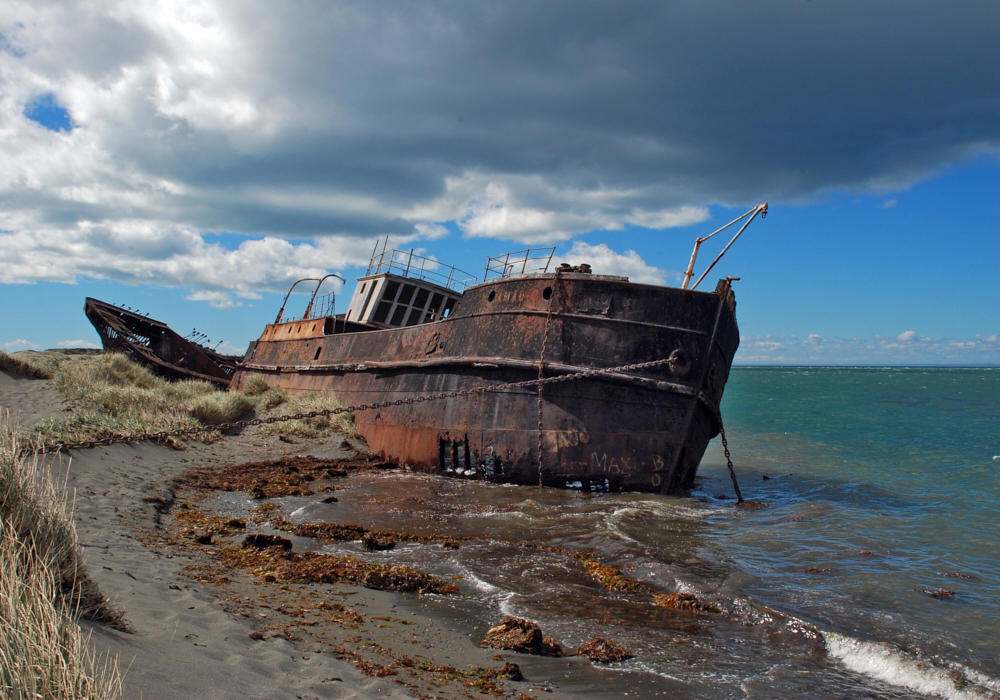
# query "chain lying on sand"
(225, 427)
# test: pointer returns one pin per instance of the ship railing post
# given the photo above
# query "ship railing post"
(408, 262)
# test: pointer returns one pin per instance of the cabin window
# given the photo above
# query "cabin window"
(406, 295)
(421, 301)
(382, 312)
(434, 308)
(390, 291)
(448, 307)
(414, 317)
(397, 315)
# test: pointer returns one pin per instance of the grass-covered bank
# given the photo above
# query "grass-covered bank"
(109, 395)
(43, 590)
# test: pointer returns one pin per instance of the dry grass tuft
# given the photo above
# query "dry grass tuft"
(112, 396)
(304, 403)
(40, 365)
(43, 586)
(19, 367)
(43, 652)
(272, 398)
(255, 386)
(41, 520)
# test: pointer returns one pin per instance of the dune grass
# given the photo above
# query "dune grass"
(272, 401)
(40, 364)
(109, 395)
(112, 396)
(290, 404)
(43, 588)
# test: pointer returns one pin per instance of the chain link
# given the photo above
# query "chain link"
(223, 427)
(729, 462)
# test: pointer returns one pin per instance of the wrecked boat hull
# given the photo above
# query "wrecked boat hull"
(636, 431)
(154, 345)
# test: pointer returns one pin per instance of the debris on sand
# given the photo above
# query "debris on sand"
(604, 651)
(684, 601)
(378, 543)
(524, 636)
(261, 541)
(283, 566)
(288, 476)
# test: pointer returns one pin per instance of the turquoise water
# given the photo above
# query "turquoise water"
(895, 461)
(880, 486)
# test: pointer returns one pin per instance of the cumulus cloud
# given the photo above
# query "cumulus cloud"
(135, 253)
(907, 348)
(19, 344)
(78, 344)
(519, 121)
(605, 261)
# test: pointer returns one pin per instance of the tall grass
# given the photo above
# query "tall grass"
(17, 366)
(271, 401)
(43, 587)
(112, 396)
(40, 365)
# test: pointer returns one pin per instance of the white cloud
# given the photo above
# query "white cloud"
(605, 261)
(135, 253)
(531, 210)
(906, 348)
(889, 203)
(78, 344)
(359, 119)
(19, 344)
(219, 300)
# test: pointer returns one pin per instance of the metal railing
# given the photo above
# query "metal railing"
(406, 264)
(521, 262)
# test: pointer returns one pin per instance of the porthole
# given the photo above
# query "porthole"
(547, 293)
(492, 296)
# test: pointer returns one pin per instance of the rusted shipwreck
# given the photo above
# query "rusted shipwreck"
(156, 346)
(414, 330)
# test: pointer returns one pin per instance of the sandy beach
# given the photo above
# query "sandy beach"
(202, 630)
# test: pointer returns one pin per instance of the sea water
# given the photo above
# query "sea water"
(872, 571)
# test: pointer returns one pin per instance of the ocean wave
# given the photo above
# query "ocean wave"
(929, 677)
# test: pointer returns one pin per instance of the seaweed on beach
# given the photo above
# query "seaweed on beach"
(684, 601)
(275, 564)
(604, 651)
(287, 476)
(520, 635)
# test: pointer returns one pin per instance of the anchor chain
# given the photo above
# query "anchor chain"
(729, 463)
(223, 427)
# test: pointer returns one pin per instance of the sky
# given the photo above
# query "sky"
(193, 159)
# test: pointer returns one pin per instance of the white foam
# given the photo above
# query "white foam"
(478, 583)
(505, 607)
(886, 663)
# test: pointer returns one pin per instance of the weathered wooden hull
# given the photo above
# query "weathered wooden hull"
(156, 346)
(636, 431)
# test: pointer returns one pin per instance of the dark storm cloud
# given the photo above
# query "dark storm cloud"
(519, 120)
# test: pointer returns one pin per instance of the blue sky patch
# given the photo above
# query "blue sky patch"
(49, 113)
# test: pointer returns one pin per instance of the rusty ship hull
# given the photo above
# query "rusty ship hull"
(619, 430)
(155, 345)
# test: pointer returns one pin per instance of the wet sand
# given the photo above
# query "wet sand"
(201, 631)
